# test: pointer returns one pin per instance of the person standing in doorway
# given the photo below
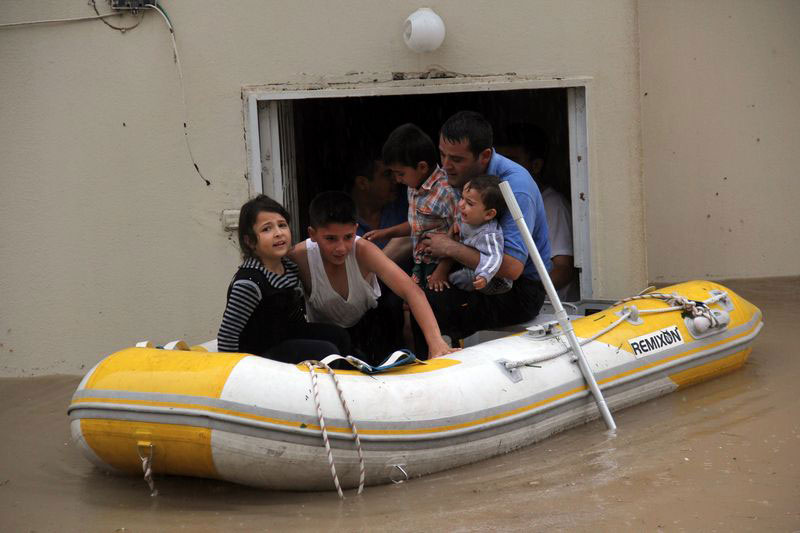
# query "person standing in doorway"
(380, 203)
(528, 145)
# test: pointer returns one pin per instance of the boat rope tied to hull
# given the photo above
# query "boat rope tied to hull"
(700, 312)
(319, 364)
(147, 465)
(561, 314)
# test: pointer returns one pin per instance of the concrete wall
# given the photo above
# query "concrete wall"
(108, 234)
(720, 123)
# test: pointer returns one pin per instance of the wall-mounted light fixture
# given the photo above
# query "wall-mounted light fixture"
(424, 30)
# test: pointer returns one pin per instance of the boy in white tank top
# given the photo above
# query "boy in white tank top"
(340, 273)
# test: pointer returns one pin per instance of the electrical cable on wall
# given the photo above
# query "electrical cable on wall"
(121, 29)
(176, 57)
(54, 21)
(177, 60)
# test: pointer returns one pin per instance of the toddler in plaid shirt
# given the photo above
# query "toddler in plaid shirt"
(432, 203)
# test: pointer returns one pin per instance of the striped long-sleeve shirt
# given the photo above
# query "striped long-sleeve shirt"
(260, 306)
(487, 239)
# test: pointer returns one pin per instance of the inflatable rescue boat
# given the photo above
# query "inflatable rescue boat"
(241, 418)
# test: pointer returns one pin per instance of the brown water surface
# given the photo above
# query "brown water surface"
(720, 456)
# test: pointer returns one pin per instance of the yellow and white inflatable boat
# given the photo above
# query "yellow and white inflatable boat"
(250, 420)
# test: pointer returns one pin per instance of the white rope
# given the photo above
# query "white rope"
(542, 358)
(317, 364)
(353, 428)
(147, 469)
(678, 303)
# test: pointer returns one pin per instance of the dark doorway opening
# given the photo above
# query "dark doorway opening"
(330, 133)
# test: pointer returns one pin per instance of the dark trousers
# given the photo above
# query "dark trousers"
(310, 341)
(380, 330)
(462, 313)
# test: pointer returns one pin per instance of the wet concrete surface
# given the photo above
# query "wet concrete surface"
(720, 456)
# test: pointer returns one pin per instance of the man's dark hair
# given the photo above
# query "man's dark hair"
(331, 207)
(247, 218)
(530, 138)
(407, 145)
(488, 187)
(363, 165)
(468, 126)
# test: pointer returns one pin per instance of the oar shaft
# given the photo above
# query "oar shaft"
(561, 314)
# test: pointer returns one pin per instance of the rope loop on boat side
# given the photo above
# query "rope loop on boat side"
(676, 302)
(147, 466)
(315, 385)
(695, 308)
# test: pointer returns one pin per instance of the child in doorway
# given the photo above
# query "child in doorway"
(411, 156)
(480, 207)
(264, 312)
(340, 273)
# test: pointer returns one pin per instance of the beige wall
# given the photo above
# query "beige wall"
(720, 123)
(108, 235)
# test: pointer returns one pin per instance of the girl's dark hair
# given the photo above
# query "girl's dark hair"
(488, 187)
(247, 218)
(469, 126)
(331, 207)
(407, 145)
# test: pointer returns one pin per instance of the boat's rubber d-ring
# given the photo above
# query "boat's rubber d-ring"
(402, 470)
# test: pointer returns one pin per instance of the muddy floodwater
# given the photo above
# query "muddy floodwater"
(720, 456)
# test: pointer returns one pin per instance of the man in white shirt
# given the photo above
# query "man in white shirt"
(528, 145)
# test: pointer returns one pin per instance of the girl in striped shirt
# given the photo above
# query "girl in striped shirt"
(264, 313)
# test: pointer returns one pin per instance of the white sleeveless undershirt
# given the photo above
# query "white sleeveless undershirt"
(324, 304)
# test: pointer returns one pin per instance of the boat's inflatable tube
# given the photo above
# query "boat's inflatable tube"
(251, 420)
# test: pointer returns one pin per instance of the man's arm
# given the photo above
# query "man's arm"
(563, 270)
(371, 257)
(400, 230)
(440, 245)
(398, 249)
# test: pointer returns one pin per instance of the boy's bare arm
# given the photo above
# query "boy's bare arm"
(371, 257)
(299, 255)
(440, 245)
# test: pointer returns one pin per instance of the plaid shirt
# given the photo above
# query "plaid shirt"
(431, 208)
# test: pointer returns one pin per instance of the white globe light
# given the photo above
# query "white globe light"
(424, 30)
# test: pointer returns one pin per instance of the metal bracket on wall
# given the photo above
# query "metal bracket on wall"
(134, 5)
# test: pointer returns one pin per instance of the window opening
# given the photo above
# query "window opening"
(316, 139)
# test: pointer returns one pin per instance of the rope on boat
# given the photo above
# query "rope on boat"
(318, 364)
(697, 309)
(147, 468)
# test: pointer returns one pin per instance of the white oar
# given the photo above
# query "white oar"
(561, 314)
